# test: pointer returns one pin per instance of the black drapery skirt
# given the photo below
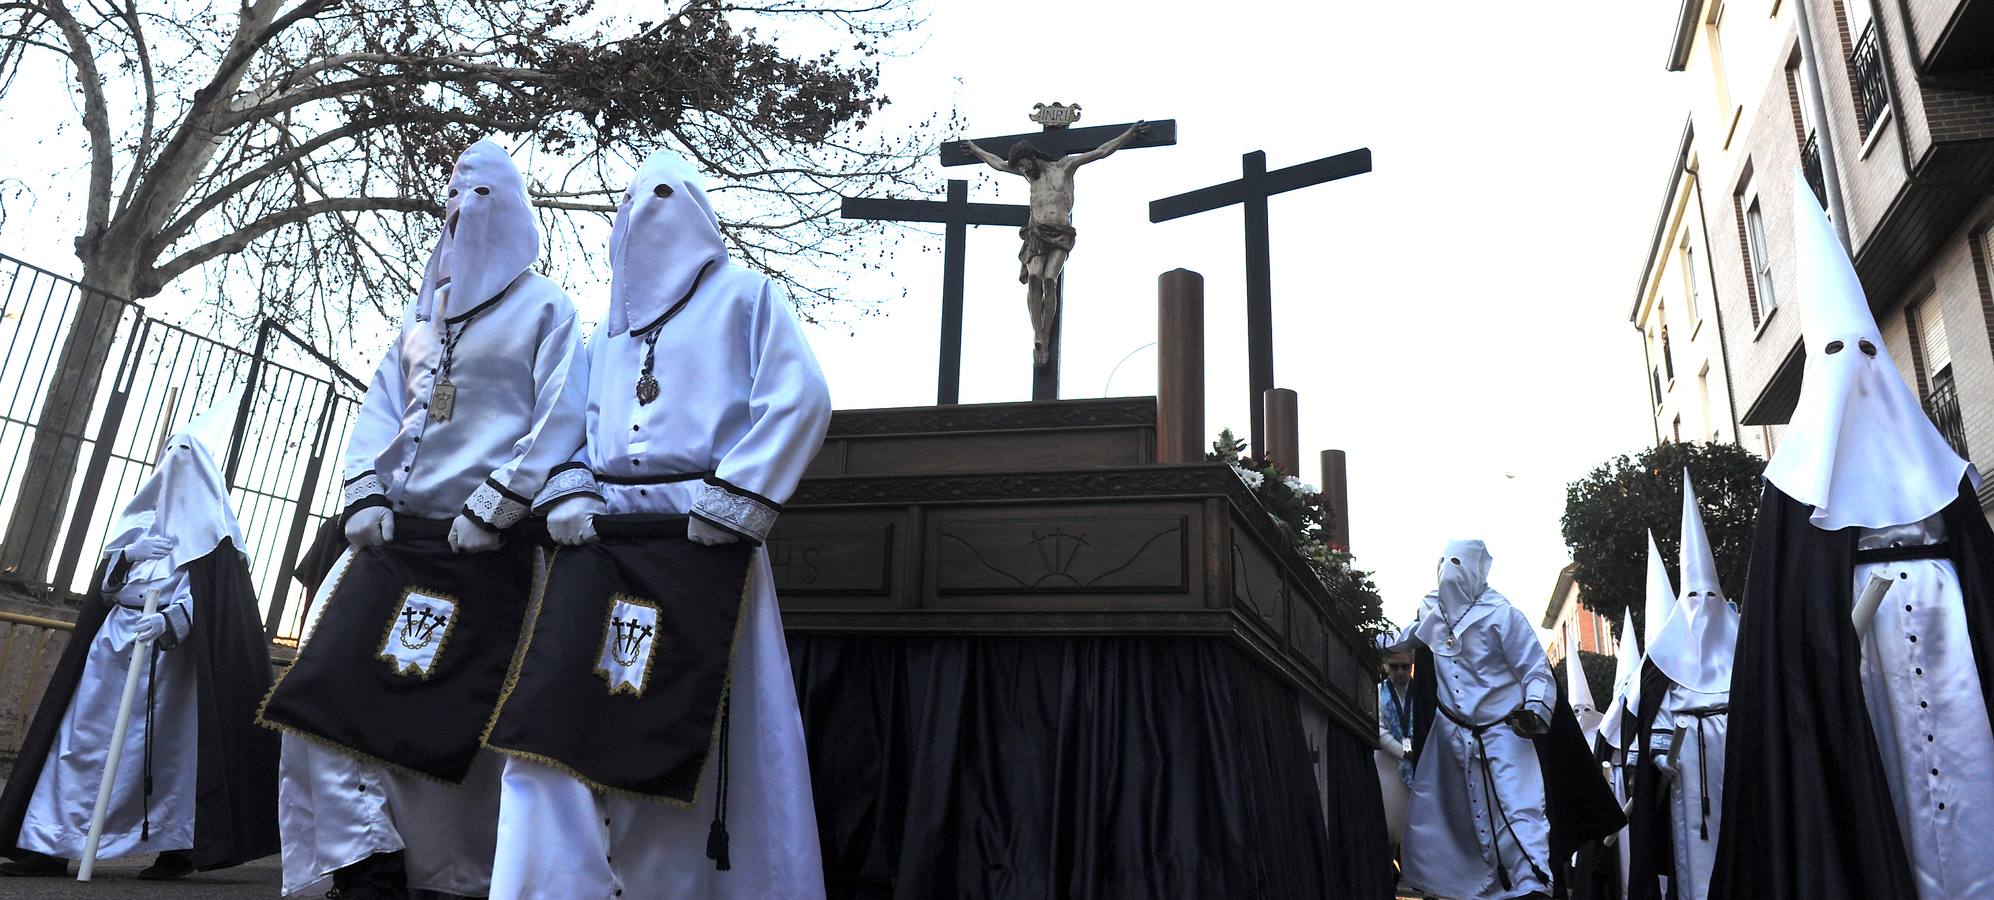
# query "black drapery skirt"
(1085, 767)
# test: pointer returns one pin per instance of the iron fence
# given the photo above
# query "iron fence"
(1942, 405)
(1810, 165)
(290, 416)
(1872, 96)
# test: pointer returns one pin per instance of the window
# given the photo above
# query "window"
(1692, 285)
(1703, 395)
(1928, 330)
(1675, 430)
(1655, 384)
(1668, 355)
(1720, 62)
(1872, 97)
(1758, 260)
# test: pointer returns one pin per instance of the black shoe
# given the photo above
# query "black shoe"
(35, 865)
(378, 877)
(169, 865)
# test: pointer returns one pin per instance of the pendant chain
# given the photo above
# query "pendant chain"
(451, 335)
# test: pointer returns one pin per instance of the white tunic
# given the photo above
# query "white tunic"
(1691, 730)
(510, 367)
(1922, 689)
(1461, 825)
(58, 817)
(741, 397)
(510, 370)
(334, 809)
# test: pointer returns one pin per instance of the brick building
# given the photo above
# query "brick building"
(1907, 101)
(1595, 633)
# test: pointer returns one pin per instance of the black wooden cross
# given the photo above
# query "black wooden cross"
(1251, 191)
(957, 213)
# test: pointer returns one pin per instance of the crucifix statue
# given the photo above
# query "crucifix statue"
(1048, 238)
(1047, 161)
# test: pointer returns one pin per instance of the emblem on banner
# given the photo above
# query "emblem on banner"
(416, 635)
(628, 642)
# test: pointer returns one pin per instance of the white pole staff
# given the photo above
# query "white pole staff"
(131, 686)
(140, 650)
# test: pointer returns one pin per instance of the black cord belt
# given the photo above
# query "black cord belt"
(1940, 550)
(1702, 758)
(673, 478)
(1493, 798)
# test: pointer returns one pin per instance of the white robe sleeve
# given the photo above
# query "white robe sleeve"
(1532, 667)
(572, 477)
(379, 421)
(560, 379)
(179, 613)
(789, 409)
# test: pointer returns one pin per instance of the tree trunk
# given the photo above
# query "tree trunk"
(41, 510)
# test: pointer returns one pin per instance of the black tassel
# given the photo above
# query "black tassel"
(716, 846)
(716, 836)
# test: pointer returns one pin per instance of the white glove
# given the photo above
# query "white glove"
(700, 531)
(148, 546)
(370, 527)
(467, 536)
(149, 627)
(572, 521)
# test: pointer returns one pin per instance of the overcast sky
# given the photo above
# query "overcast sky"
(1456, 320)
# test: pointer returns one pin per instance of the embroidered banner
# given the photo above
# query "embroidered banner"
(408, 661)
(627, 659)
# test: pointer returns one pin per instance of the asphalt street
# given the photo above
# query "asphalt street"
(118, 878)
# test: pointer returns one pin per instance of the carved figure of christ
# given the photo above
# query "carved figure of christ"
(1048, 237)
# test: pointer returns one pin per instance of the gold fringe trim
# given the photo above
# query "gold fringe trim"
(713, 742)
(342, 749)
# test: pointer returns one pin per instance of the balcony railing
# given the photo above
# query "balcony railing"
(1943, 406)
(1810, 164)
(1871, 97)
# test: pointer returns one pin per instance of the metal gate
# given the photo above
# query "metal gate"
(296, 409)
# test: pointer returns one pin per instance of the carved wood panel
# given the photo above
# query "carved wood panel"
(1044, 553)
(832, 555)
(1258, 586)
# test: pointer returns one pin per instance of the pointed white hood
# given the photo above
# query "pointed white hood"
(1859, 449)
(1464, 576)
(1696, 646)
(1577, 691)
(185, 498)
(489, 238)
(665, 241)
(1626, 668)
(1661, 597)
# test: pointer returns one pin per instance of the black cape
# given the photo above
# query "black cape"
(1596, 868)
(1650, 839)
(342, 692)
(1578, 803)
(563, 710)
(1807, 809)
(235, 805)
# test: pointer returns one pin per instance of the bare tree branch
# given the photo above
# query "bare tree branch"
(242, 237)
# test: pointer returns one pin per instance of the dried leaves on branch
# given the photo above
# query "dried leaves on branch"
(292, 154)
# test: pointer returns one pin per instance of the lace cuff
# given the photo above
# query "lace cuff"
(567, 480)
(494, 508)
(364, 490)
(736, 509)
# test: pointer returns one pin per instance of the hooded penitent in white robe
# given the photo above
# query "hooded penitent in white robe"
(186, 500)
(1577, 690)
(1693, 650)
(512, 340)
(1861, 454)
(1477, 816)
(737, 407)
